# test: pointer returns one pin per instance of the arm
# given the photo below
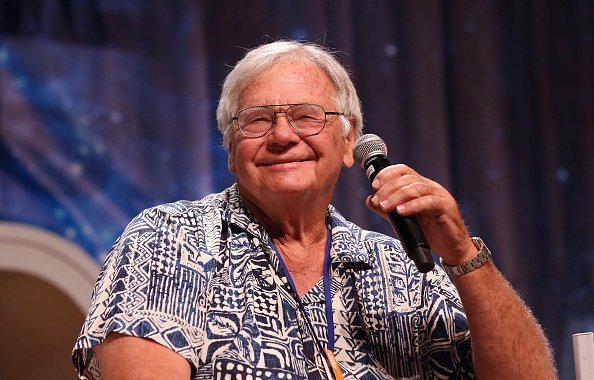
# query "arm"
(507, 341)
(125, 357)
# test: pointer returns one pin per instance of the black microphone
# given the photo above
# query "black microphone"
(370, 152)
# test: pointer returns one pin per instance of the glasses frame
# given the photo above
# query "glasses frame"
(235, 119)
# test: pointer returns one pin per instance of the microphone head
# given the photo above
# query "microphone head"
(367, 146)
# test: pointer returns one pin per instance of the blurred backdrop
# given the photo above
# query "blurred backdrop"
(107, 107)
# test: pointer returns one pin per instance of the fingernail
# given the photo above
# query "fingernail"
(375, 183)
(374, 199)
(400, 208)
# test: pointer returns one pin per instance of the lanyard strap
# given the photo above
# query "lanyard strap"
(327, 293)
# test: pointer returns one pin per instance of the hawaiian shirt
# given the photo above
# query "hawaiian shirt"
(201, 278)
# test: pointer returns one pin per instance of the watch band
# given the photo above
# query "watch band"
(483, 256)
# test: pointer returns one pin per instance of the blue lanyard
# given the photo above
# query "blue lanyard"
(327, 293)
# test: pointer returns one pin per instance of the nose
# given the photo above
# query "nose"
(282, 130)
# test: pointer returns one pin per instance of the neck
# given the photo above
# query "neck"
(299, 233)
(291, 218)
(302, 249)
(305, 264)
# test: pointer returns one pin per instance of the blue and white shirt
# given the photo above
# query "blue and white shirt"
(202, 279)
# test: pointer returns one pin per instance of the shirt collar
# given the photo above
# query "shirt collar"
(347, 243)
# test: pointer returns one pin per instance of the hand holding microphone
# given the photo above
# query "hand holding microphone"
(370, 152)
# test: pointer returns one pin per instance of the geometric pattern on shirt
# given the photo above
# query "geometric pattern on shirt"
(201, 279)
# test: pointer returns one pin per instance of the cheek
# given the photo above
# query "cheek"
(241, 153)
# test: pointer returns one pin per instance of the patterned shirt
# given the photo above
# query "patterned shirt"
(202, 279)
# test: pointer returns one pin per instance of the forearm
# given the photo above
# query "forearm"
(508, 342)
(125, 357)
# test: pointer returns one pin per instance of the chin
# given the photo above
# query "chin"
(290, 188)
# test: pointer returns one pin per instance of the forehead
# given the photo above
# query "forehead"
(289, 82)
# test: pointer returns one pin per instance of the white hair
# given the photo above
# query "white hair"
(265, 56)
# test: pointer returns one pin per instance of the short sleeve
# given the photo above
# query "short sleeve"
(449, 350)
(145, 290)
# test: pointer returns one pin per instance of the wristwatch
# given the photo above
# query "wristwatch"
(482, 257)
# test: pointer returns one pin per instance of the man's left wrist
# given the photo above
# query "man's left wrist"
(482, 257)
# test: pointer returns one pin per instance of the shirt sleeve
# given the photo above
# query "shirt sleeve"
(146, 289)
(448, 350)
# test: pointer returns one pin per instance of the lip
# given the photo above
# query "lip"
(285, 162)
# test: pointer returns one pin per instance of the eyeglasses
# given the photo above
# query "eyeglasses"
(306, 119)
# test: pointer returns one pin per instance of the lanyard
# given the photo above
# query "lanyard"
(327, 293)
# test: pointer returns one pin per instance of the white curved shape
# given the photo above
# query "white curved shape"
(45, 255)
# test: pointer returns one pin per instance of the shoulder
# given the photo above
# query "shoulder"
(180, 213)
(173, 231)
(186, 211)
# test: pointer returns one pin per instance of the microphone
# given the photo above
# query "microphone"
(370, 152)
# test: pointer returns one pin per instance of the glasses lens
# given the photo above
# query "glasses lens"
(255, 121)
(308, 119)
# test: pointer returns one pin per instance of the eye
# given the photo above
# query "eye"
(260, 119)
(305, 117)
(255, 116)
(307, 113)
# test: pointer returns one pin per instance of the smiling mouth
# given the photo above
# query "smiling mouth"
(283, 162)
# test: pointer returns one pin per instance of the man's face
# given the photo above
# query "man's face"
(284, 162)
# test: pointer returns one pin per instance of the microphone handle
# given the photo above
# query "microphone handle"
(406, 227)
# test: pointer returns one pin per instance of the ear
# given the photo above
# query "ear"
(348, 160)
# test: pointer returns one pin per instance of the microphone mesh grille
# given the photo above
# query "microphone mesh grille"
(368, 145)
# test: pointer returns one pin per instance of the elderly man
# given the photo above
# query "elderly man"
(267, 280)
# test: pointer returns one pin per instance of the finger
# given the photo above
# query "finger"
(374, 208)
(394, 182)
(395, 193)
(390, 173)
(433, 205)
